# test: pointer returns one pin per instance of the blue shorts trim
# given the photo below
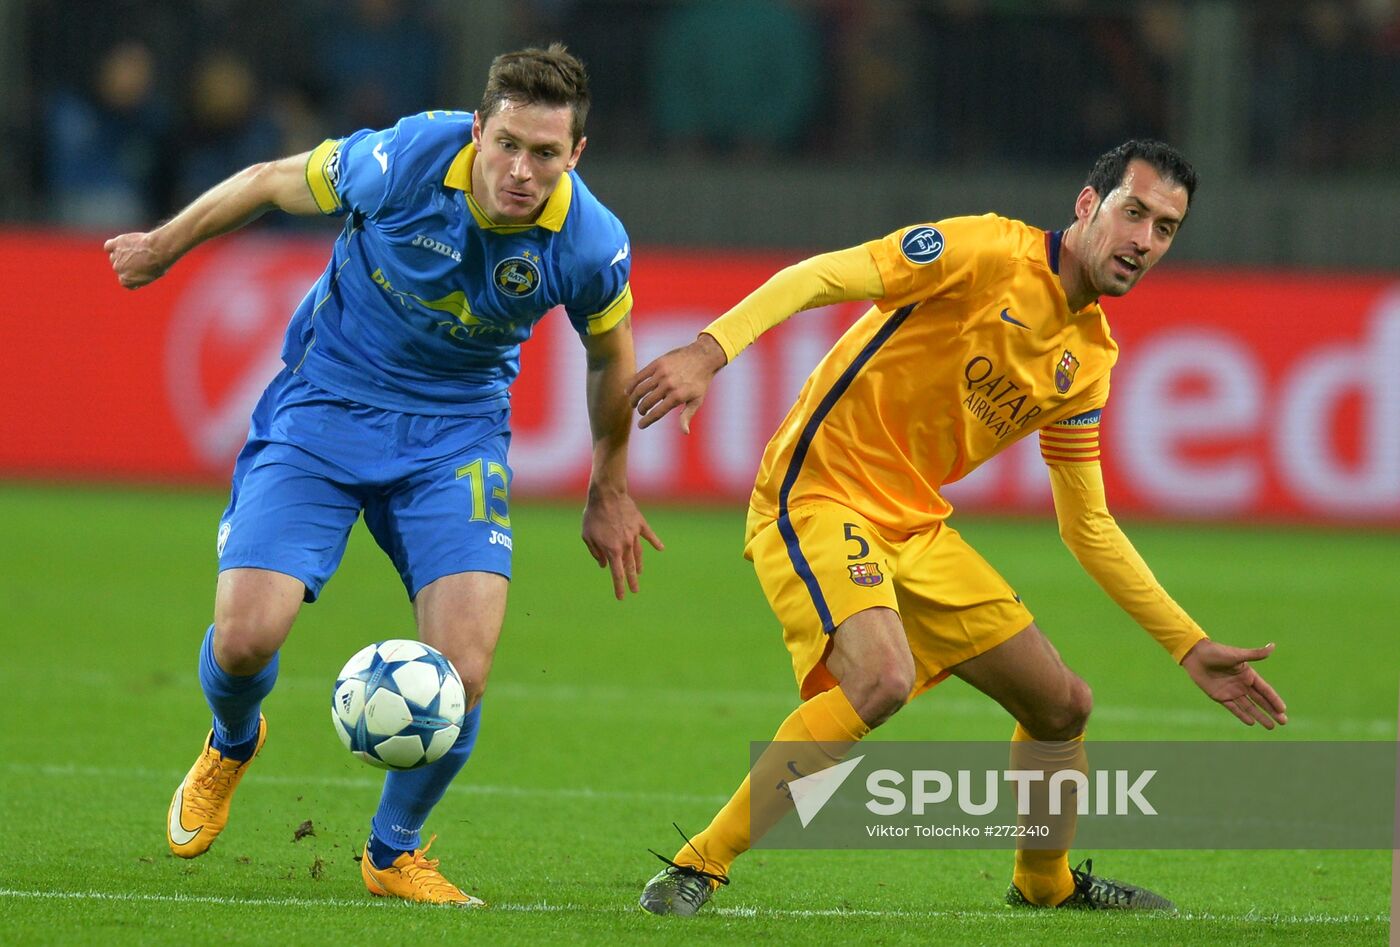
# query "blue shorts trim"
(799, 455)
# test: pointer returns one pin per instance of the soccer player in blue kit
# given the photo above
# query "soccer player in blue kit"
(461, 231)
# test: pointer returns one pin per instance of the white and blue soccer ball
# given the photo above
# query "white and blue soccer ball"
(398, 704)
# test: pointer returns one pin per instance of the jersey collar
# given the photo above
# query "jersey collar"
(556, 209)
(1053, 239)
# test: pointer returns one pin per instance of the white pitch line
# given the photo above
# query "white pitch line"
(933, 705)
(736, 912)
(376, 904)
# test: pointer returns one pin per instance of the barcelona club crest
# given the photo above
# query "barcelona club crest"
(866, 573)
(1064, 372)
(517, 276)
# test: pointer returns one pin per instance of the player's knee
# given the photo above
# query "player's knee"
(1067, 718)
(1083, 701)
(878, 692)
(253, 614)
(473, 669)
(243, 646)
(891, 693)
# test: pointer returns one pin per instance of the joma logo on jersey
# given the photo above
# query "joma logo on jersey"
(1064, 372)
(437, 246)
(516, 276)
(996, 400)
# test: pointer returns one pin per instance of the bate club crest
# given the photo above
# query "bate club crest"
(1064, 372)
(866, 574)
(518, 276)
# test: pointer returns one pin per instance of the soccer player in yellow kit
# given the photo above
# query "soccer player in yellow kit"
(983, 331)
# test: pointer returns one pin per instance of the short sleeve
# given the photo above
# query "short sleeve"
(604, 299)
(352, 173)
(370, 172)
(946, 257)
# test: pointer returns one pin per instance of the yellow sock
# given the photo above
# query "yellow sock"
(1043, 875)
(829, 726)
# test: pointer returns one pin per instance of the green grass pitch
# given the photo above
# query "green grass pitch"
(604, 723)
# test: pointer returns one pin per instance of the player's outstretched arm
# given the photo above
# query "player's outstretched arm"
(142, 258)
(1092, 535)
(680, 378)
(613, 527)
(1228, 678)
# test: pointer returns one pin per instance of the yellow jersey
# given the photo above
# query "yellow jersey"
(972, 347)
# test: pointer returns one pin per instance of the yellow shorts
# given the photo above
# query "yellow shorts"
(826, 562)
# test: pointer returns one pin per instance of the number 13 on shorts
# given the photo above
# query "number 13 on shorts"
(490, 491)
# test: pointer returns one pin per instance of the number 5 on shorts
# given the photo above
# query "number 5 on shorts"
(862, 547)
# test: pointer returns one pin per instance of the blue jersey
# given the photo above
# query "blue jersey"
(425, 301)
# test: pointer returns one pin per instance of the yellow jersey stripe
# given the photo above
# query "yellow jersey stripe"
(613, 313)
(1062, 460)
(1061, 437)
(1070, 445)
(556, 209)
(459, 172)
(552, 215)
(322, 191)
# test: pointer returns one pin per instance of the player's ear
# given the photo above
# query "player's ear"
(1086, 203)
(578, 150)
(476, 130)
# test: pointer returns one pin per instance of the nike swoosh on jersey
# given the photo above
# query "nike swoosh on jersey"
(178, 833)
(1007, 317)
(620, 255)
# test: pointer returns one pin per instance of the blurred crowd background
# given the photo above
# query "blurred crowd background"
(742, 122)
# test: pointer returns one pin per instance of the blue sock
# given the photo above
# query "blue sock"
(235, 701)
(410, 795)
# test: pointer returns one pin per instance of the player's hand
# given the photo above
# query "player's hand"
(135, 259)
(1227, 677)
(613, 530)
(678, 379)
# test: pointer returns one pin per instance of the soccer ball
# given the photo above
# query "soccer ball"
(398, 704)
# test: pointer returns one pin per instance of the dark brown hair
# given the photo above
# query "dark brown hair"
(533, 76)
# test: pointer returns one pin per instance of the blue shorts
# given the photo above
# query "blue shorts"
(434, 489)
